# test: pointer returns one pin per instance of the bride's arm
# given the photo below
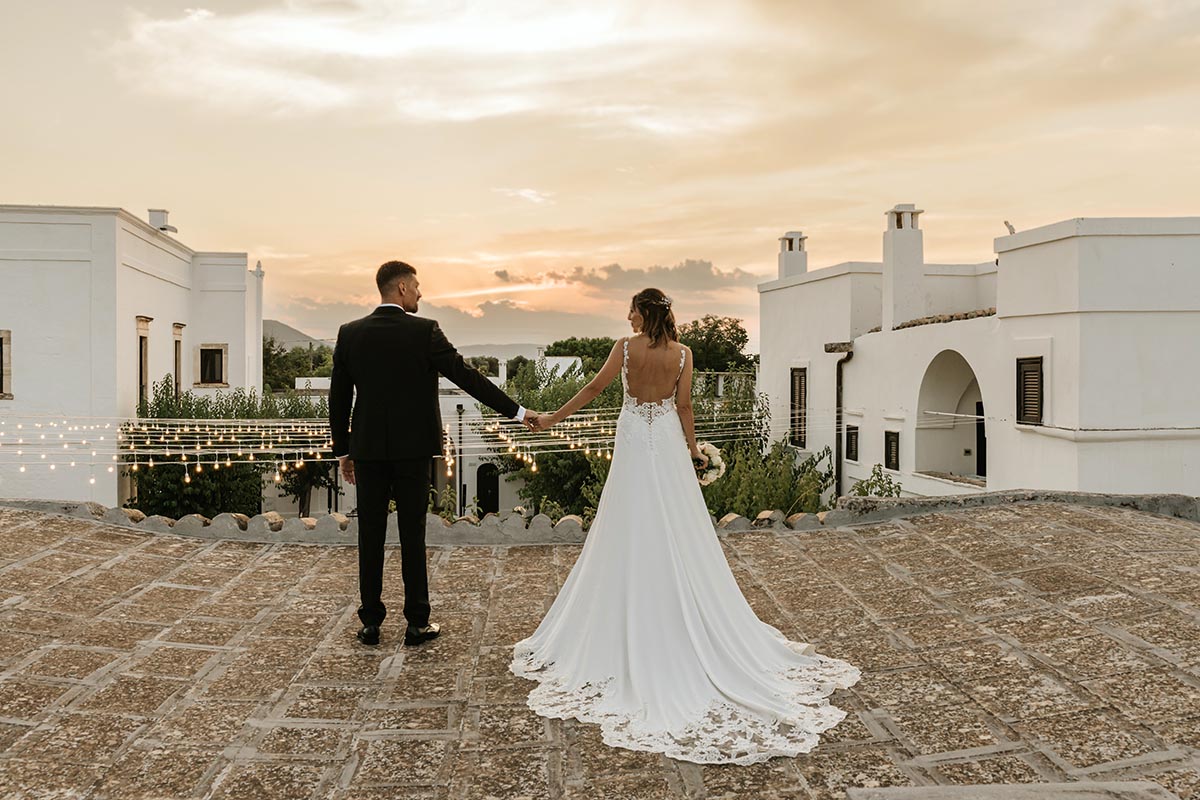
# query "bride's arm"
(683, 404)
(610, 370)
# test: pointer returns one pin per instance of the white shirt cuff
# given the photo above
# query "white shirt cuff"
(520, 414)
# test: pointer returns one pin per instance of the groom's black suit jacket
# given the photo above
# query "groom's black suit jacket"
(392, 360)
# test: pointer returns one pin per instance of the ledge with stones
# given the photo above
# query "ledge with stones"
(338, 529)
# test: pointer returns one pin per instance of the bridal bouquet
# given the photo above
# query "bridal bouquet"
(716, 464)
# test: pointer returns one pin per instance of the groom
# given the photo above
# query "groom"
(387, 364)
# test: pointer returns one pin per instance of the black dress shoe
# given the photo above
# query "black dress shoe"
(414, 635)
(369, 634)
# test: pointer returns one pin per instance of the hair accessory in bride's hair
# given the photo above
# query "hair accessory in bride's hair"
(665, 301)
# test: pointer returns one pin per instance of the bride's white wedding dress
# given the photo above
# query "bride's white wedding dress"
(650, 636)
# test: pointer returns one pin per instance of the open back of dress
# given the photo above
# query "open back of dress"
(650, 635)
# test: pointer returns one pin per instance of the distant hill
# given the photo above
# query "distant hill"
(288, 336)
(505, 351)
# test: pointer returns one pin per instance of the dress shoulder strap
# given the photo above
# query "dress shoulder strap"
(682, 357)
(625, 354)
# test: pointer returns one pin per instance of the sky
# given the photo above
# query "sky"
(539, 161)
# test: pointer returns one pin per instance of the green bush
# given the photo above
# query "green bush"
(236, 488)
(759, 475)
(878, 485)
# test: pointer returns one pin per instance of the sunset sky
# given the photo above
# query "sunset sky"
(539, 162)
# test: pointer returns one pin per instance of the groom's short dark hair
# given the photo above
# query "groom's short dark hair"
(392, 271)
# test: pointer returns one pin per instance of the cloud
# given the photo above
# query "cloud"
(691, 275)
(530, 195)
(492, 322)
(452, 62)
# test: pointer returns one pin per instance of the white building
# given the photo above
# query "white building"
(96, 306)
(1068, 362)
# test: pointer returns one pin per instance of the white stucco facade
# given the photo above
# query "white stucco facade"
(1111, 307)
(82, 287)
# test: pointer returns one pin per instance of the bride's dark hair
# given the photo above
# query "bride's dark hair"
(658, 320)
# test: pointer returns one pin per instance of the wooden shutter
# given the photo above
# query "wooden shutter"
(1029, 391)
(799, 407)
(852, 443)
(891, 450)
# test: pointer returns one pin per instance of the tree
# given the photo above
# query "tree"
(717, 343)
(591, 350)
(233, 487)
(488, 365)
(281, 367)
(514, 365)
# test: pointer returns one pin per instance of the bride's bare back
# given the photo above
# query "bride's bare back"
(653, 372)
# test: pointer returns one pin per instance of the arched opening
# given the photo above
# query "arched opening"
(951, 428)
(487, 488)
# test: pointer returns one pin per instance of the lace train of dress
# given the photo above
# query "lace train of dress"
(651, 637)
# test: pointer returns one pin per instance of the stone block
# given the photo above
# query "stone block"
(192, 525)
(490, 522)
(803, 522)
(733, 522)
(513, 527)
(293, 529)
(231, 522)
(89, 511)
(225, 526)
(769, 519)
(157, 524)
(274, 520)
(569, 529)
(540, 528)
(835, 517)
(332, 525)
(435, 525)
(310, 523)
(116, 516)
(135, 515)
(262, 527)
(463, 528)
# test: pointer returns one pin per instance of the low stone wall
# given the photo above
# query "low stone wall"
(516, 530)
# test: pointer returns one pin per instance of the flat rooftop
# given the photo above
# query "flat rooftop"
(1039, 643)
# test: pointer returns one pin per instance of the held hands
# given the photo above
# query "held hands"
(347, 467)
(538, 422)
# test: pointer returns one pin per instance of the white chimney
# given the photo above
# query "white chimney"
(903, 267)
(793, 258)
(158, 220)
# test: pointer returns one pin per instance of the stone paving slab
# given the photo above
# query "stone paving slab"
(1131, 790)
(1026, 645)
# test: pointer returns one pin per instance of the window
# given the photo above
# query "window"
(891, 450)
(852, 443)
(177, 329)
(143, 357)
(6, 365)
(143, 368)
(212, 365)
(799, 425)
(1029, 391)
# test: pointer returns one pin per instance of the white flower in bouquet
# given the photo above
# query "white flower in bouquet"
(716, 464)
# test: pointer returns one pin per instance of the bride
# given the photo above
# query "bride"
(650, 636)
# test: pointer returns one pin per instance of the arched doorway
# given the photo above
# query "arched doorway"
(487, 488)
(951, 428)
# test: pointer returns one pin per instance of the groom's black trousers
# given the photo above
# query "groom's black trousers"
(407, 482)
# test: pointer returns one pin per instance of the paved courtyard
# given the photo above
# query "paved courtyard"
(1037, 643)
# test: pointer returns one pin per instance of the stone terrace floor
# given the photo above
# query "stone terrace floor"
(1038, 643)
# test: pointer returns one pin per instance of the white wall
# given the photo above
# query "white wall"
(1112, 307)
(76, 279)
